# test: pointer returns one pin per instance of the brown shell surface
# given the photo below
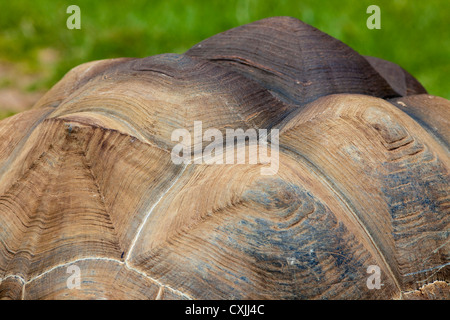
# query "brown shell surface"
(87, 179)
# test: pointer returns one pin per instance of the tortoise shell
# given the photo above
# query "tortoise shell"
(87, 179)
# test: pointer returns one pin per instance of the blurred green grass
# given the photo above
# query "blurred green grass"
(413, 34)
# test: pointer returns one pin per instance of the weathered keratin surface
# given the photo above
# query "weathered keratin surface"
(86, 177)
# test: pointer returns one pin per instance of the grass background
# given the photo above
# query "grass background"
(35, 41)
